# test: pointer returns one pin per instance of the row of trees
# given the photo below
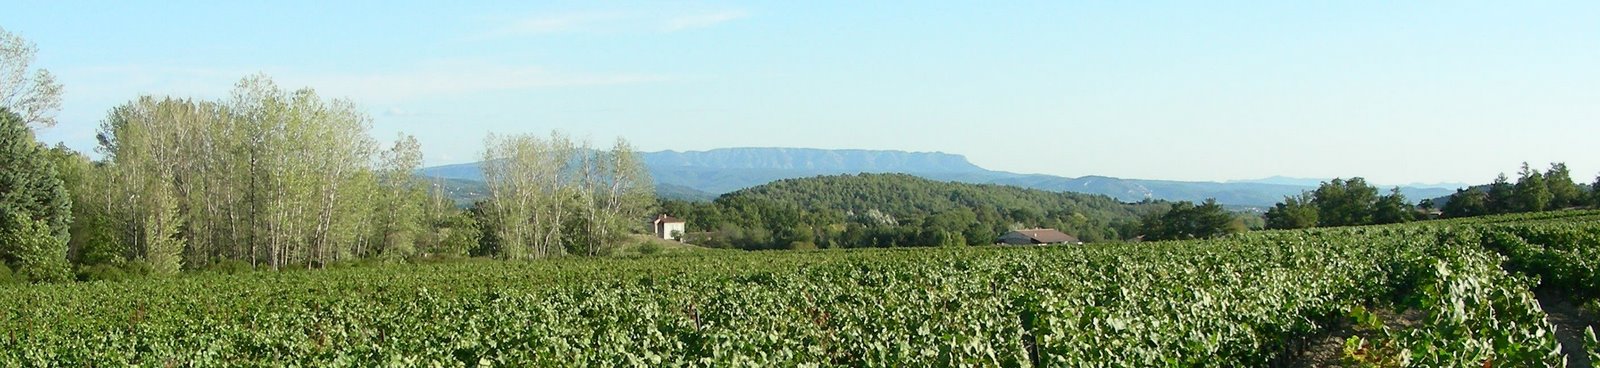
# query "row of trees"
(1533, 191)
(1340, 202)
(273, 178)
(556, 196)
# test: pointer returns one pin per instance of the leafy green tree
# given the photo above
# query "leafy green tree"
(400, 199)
(951, 238)
(1594, 192)
(1563, 191)
(35, 209)
(1501, 194)
(32, 248)
(1295, 212)
(1530, 193)
(1185, 220)
(1467, 203)
(459, 233)
(554, 196)
(274, 177)
(93, 236)
(1393, 209)
(163, 248)
(1345, 202)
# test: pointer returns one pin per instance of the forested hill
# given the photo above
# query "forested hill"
(908, 197)
(897, 209)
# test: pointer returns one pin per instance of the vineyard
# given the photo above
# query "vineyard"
(1254, 299)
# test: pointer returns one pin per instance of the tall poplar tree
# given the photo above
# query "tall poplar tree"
(32, 94)
(274, 177)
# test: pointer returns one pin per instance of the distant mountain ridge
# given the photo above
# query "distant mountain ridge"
(1285, 180)
(813, 159)
(704, 174)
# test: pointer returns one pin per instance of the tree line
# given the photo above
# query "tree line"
(1353, 202)
(271, 178)
(1534, 191)
(1341, 202)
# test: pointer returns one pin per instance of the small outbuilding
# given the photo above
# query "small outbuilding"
(667, 227)
(1037, 236)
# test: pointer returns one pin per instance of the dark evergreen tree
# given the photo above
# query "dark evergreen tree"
(1530, 193)
(1500, 196)
(1594, 192)
(35, 211)
(1185, 220)
(1467, 203)
(1563, 191)
(1345, 203)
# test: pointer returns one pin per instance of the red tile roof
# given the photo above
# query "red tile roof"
(1048, 236)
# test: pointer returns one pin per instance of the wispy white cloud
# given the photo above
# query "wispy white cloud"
(609, 22)
(446, 79)
(702, 20)
(450, 78)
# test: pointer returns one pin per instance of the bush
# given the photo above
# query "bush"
(37, 254)
(101, 272)
(5, 274)
(649, 248)
(138, 268)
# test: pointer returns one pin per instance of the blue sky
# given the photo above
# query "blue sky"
(1397, 92)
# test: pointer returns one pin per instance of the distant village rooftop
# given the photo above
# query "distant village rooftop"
(1037, 236)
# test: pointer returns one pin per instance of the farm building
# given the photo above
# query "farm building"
(1037, 236)
(667, 227)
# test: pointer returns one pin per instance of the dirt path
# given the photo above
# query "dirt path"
(1326, 349)
(1570, 322)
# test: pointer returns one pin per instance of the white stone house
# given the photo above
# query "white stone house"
(667, 227)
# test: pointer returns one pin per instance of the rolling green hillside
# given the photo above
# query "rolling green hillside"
(874, 210)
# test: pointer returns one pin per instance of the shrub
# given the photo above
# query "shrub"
(37, 254)
(101, 272)
(650, 248)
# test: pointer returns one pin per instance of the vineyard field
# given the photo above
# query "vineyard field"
(1252, 299)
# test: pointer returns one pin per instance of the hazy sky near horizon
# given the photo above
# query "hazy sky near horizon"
(1398, 92)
